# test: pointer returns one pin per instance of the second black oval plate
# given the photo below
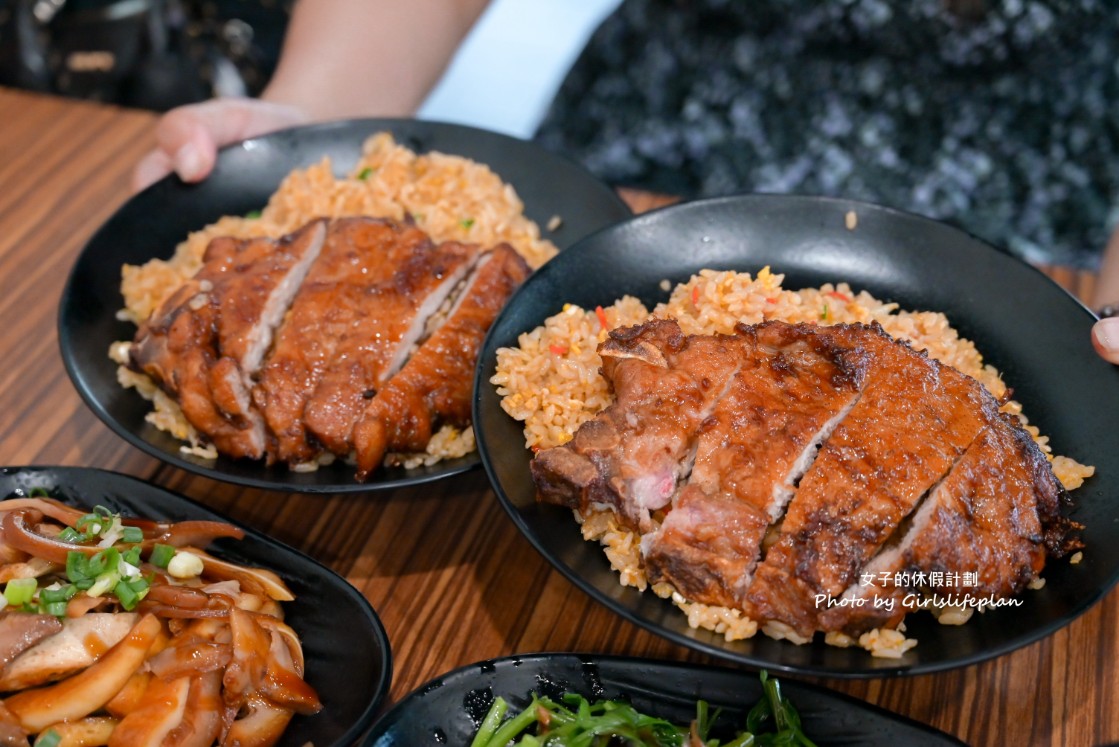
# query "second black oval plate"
(153, 222)
(446, 710)
(1025, 325)
(346, 650)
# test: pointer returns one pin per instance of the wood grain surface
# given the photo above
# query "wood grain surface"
(448, 573)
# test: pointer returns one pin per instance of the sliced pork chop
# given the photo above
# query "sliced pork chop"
(915, 468)
(749, 457)
(359, 308)
(388, 319)
(436, 383)
(632, 455)
(206, 341)
(914, 419)
(996, 515)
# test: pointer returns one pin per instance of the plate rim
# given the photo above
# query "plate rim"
(383, 684)
(75, 369)
(682, 638)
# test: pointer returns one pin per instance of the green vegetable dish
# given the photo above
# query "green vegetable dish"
(577, 722)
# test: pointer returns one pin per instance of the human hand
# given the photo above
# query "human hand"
(1105, 338)
(1105, 333)
(188, 138)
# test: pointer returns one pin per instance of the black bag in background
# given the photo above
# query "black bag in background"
(153, 54)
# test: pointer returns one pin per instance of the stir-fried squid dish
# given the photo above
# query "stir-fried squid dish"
(123, 632)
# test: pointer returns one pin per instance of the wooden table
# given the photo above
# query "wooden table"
(445, 554)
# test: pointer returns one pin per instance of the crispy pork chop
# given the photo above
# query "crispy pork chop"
(632, 455)
(278, 348)
(358, 315)
(993, 515)
(786, 459)
(914, 419)
(749, 456)
(208, 339)
(435, 385)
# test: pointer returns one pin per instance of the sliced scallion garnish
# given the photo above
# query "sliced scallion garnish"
(58, 609)
(20, 591)
(49, 738)
(61, 594)
(131, 556)
(161, 555)
(69, 534)
(104, 583)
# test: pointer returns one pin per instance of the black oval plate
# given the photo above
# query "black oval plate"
(339, 629)
(153, 222)
(445, 711)
(1025, 325)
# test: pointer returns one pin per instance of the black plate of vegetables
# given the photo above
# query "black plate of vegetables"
(453, 708)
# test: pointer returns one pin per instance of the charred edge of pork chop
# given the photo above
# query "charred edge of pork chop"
(857, 610)
(368, 356)
(915, 418)
(717, 568)
(992, 516)
(790, 342)
(436, 383)
(648, 342)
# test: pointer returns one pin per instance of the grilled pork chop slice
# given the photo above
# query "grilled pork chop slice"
(914, 419)
(397, 287)
(205, 342)
(359, 309)
(992, 515)
(436, 383)
(631, 456)
(749, 457)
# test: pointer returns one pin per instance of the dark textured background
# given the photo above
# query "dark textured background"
(1001, 117)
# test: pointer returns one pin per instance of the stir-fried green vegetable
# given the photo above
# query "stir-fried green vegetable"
(576, 722)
